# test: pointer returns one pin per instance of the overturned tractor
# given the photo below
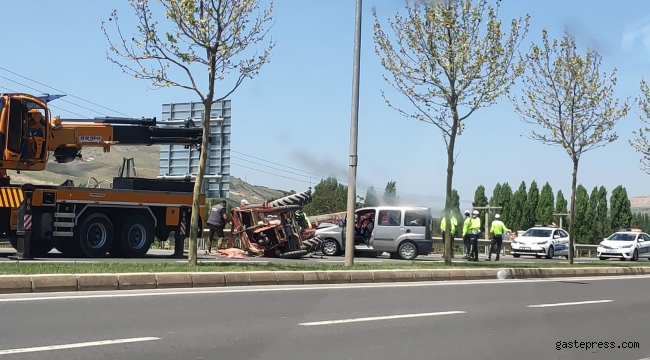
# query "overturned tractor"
(275, 229)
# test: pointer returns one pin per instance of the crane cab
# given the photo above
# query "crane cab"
(24, 129)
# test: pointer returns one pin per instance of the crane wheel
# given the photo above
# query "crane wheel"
(95, 236)
(137, 235)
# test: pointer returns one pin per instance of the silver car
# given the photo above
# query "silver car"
(402, 231)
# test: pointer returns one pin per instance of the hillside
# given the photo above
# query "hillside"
(104, 166)
(640, 203)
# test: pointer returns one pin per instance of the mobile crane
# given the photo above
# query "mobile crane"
(86, 222)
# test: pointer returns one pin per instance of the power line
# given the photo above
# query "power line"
(274, 163)
(253, 162)
(63, 92)
(69, 102)
(52, 106)
(321, 176)
(266, 172)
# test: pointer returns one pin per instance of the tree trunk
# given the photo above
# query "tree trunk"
(449, 243)
(196, 210)
(572, 212)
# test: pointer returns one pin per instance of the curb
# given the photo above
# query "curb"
(165, 280)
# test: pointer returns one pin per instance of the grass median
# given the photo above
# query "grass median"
(8, 268)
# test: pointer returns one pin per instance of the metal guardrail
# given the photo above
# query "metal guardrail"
(506, 245)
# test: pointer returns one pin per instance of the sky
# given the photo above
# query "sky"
(291, 123)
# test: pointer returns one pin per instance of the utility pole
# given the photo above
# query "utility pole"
(561, 215)
(487, 217)
(354, 136)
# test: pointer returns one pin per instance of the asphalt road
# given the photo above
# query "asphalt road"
(496, 319)
(163, 256)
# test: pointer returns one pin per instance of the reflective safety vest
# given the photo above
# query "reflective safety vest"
(466, 225)
(443, 224)
(498, 227)
(475, 225)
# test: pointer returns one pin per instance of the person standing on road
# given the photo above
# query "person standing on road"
(216, 223)
(466, 241)
(474, 230)
(497, 229)
(443, 227)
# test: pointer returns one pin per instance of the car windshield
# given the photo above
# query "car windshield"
(537, 233)
(622, 237)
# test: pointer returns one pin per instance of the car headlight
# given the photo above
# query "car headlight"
(626, 246)
(541, 242)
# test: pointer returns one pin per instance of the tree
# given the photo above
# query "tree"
(494, 198)
(620, 209)
(517, 204)
(329, 197)
(561, 206)
(530, 207)
(592, 211)
(202, 34)
(568, 98)
(602, 215)
(480, 200)
(443, 62)
(503, 200)
(640, 142)
(371, 198)
(390, 193)
(582, 220)
(546, 205)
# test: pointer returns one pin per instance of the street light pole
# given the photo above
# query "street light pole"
(354, 127)
(561, 215)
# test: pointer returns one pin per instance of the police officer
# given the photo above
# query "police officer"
(466, 244)
(474, 230)
(497, 229)
(443, 227)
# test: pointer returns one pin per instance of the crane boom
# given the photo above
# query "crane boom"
(28, 133)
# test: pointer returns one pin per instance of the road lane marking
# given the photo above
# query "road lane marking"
(75, 346)
(279, 288)
(377, 318)
(570, 303)
(356, 261)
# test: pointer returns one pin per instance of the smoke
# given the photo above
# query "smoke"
(326, 167)
(584, 38)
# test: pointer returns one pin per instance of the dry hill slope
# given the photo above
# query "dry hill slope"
(104, 166)
(640, 203)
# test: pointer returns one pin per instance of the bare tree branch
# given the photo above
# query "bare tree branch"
(570, 102)
(212, 34)
(446, 57)
(640, 142)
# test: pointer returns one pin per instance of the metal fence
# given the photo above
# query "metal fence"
(581, 250)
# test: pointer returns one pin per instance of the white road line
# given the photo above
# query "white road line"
(570, 303)
(342, 261)
(280, 288)
(226, 262)
(376, 318)
(75, 346)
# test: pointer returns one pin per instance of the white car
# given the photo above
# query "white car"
(548, 241)
(631, 243)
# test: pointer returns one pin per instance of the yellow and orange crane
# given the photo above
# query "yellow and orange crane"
(86, 222)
